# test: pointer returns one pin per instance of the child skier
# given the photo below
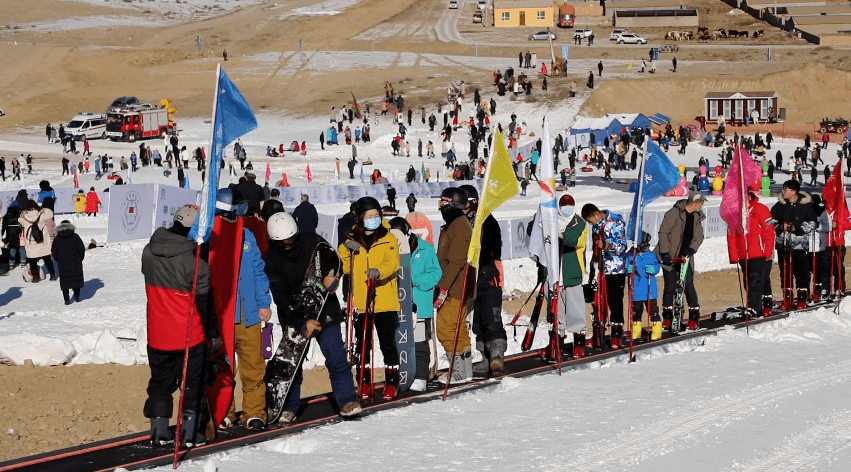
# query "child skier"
(645, 291)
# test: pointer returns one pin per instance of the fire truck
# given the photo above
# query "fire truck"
(140, 121)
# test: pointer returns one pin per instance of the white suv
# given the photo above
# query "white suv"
(616, 33)
(482, 5)
(631, 38)
(453, 4)
(582, 33)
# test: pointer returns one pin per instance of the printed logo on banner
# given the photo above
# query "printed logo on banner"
(342, 194)
(520, 240)
(130, 217)
(287, 197)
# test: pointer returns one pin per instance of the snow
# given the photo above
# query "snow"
(771, 400)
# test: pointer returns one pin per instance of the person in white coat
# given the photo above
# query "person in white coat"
(37, 246)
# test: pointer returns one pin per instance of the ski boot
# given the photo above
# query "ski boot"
(549, 353)
(786, 304)
(459, 376)
(287, 417)
(391, 383)
(816, 293)
(617, 334)
(578, 345)
(468, 366)
(366, 390)
(160, 434)
(189, 435)
(693, 318)
(350, 409)
(496, 350)
(636, 330)
(802, 299)
(482, 369)
(418, 385)
(767, 305)
(656, 331)
(667, 317)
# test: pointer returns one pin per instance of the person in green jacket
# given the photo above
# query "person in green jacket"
(571, 305)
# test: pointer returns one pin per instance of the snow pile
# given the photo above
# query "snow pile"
(106, 346)
(40, 350)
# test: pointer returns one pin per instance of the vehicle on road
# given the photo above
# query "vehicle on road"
(566, 16)
(542, 36)
(631, 38)
(616, 33)
(120, 102)
(582, 33)
(837, 125)
(453, 4)
(477, 17)
(88, 125)
(140, 121)
(482, 5)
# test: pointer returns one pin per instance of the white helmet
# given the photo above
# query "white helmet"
(281, 226)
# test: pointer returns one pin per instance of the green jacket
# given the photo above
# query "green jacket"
(573, 251)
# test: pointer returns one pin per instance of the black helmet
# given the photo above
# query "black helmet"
(453, 197)
(472, 194)
(367, 203)
(401, 224)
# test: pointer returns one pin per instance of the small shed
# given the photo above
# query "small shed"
(523, 13)
(735, 106)
(676, 18)
(606, 125)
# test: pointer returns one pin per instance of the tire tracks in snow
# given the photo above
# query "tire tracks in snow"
(688, 424)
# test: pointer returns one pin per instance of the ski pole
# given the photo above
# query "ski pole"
(457, 330)
(554, 308)
(520, 311)
(186, 359)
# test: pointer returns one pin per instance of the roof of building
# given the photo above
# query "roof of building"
(758, 4)
(711, 95)
(821, 20)
(636, 4)
(817, 10)
(510, 4)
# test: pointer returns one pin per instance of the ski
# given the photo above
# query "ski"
(677, 321)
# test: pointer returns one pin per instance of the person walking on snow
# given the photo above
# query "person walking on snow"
(69, 251)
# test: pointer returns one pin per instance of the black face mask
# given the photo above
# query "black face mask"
(450, 214)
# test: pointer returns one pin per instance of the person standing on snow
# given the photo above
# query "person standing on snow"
(251, 304)
(680, 236)
(794, 220)
(69, 251)
(453, 245)
(754, 253)
(571, 304)
(168, 262)
(609, 230)
(371, 253)
(645, 292)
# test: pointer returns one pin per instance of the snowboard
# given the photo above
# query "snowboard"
(679, 294)
(224, 261)
(405, 323)
(290, 353)
(421, 226)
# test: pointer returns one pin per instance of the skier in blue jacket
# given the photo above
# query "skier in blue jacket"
(645, 291)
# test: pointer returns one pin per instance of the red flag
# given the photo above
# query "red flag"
(733, 205)
(309, 175)
(76, 181)
(834, 200)
(268, 172)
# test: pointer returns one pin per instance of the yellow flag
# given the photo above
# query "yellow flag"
(500, 184)
(629, 67)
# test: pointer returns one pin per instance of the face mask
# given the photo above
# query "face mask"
(449, 214)
(372, 224)
(566, 211)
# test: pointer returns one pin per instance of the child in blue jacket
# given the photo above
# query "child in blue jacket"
(645, 292)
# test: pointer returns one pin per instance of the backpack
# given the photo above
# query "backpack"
(35, 232)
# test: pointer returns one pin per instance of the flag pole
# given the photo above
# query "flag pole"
(639, 214)
(199, 238)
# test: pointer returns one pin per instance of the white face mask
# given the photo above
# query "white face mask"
(566, 211)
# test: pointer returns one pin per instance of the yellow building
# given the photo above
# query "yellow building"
(523, 13)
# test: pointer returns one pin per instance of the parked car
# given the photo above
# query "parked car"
(631, 38)
(88, 125)
(582, 33)
(482, 5)
(542, 36)
(453, 4)
(121, 102)
(2, 113)
(616, 33)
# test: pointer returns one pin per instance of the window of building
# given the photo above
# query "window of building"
(751, 106)
(713, 109)
(542, 15)
(506, 16)
(738, 105)
(726, 109)
(763, 109)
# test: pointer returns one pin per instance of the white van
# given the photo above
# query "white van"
(90, 125)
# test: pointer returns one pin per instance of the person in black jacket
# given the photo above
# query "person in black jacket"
(69, 252)
(288, 259)
(795, 219)
(391, 196)
(273, 205)
(11, 231)
(306, 216)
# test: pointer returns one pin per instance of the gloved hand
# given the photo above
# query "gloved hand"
(311, 327)
(666, 259)
(441, 298)
(352, 245)
(373, 274)
(688, 252)
(542, 273)
(629, 268)
(216, 345)
(650, 269)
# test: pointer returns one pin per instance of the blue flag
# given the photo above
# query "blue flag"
(232, 118)
(660, 175)
(362, 178)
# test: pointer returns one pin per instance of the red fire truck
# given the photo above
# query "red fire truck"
(138, 121)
